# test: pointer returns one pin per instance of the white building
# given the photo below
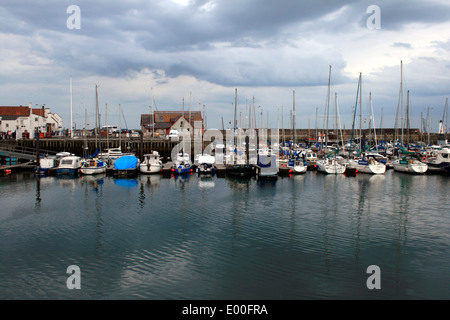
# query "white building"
(21, 122)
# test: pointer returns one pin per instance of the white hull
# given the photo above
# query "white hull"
(375, 168)
(415, 167)
(153, 168)
(298, 169)
(330, 166)
(93, 170)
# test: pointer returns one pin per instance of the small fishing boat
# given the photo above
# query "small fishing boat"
(152, 163)
(126, 166)
(182, 164)
(46, 165)
(205, 164)
(69, 165)
(93, 166)
(409, 164)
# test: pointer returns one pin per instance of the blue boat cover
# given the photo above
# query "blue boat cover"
(126, 162)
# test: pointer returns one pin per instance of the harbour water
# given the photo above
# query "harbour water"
(310, 236)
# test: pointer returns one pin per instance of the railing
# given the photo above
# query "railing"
(22, 152)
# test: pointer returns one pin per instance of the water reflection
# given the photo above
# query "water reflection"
(206, 182)
(304, 236)
(126, 183)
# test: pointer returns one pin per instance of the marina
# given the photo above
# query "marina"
(200, 152)
(306, 236)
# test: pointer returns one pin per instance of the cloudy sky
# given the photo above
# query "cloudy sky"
(201, 50)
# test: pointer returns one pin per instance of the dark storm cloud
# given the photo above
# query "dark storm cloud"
(228, 42)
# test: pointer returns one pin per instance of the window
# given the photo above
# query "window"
(7, 125)
(161, 118)
(35, 119)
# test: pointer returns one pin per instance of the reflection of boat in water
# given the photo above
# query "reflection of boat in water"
(150, 179)
(93, 178)
(126, 183)
(206, 182)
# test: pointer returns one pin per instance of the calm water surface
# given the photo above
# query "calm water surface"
(303, 237)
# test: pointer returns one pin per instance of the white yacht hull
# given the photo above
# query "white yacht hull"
(330, 167)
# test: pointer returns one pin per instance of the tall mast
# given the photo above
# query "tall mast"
(120, 127)
(71, 123)
(235, 110)
(96, 116)
(401, 98)
(360, 112)
(293, 115)
(282, 124)
(446, 118)
(107, 130)
(328, 105)
(354, 113)
(407, 116)
(153, 116)
(190, 101)
(373, 117)
(428, 125)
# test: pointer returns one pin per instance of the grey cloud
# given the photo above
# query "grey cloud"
(402, 45)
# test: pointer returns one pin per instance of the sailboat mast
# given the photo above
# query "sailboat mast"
(401, 98)
(235, 110)
(96, 116)
(190, 101)
(120, 128)
(328, 105)
(446, 118)
(71, 123)
(354, 113)
(407, 116)
(373, 117)
(293, 115)
(107, 128)
(360, 112)
(153, 116)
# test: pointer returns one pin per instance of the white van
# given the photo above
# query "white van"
(173, 135)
